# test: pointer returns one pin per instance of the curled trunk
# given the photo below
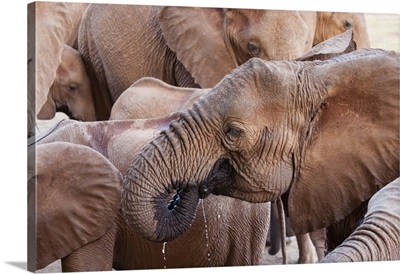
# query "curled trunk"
(160, 190)
(159, 210)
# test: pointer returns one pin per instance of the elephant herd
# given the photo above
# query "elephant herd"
(189, 126)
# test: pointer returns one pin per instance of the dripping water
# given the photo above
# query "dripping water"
(206, 230)
(219, 210)
(164, 253)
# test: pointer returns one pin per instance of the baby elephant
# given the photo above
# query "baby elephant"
(70, 91)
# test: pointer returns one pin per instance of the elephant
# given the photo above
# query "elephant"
(326, 132)
(71, 186)
(182, 46)
(70, 91)
(51, 25)
(150, 98)
(330, 24)
(378, 237)
(85, 207)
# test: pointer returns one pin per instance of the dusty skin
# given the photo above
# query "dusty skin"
(379, 25)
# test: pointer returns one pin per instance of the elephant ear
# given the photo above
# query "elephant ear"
(352, 141)
(335, 46)
(77, 193)
(48, 110)
(196, 36)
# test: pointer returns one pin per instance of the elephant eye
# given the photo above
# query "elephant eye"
(233, 133)
(72, 87)
(253, 48)
(347, 24)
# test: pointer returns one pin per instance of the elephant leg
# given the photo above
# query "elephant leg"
(318, 239)
(94, 256)
(274, 233)
(306, 249)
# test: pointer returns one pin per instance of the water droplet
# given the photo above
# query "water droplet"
(206, 229)
(164, 253)
(219, 210)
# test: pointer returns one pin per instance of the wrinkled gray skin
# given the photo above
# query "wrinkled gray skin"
(229, 232)
(378, 237)
(318, 129)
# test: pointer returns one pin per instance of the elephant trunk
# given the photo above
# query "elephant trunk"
(377, 238)
(161, 190)
(372, 241)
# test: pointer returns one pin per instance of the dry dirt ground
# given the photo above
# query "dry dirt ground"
(384, 32)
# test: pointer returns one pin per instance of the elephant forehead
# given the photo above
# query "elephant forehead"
(257, 84)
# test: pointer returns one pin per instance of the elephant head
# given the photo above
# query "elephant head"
(320, 129)
(233, 36)
(330, 24)
(70, 91)
(50, 27)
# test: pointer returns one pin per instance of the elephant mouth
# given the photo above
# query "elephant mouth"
(65, 109)
(219, 181)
